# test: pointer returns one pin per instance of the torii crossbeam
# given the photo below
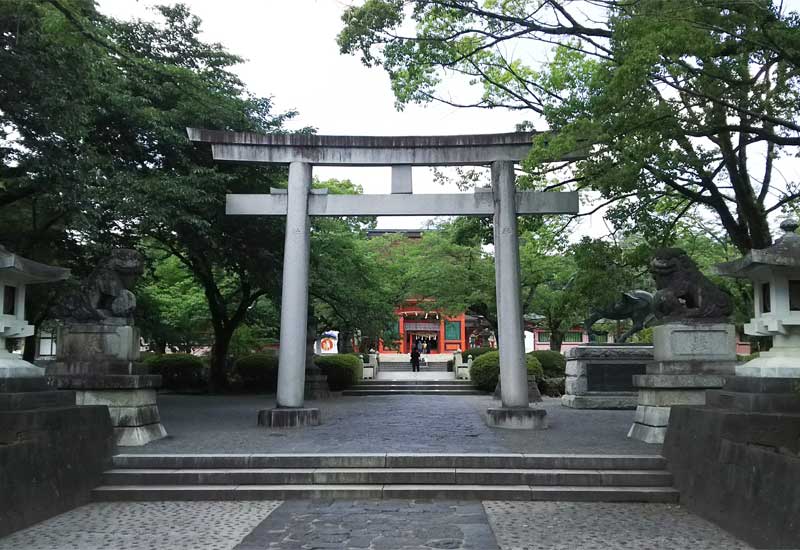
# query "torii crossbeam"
(502, 201)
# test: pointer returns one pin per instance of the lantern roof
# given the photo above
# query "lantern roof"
(15, 268)
(784, 253)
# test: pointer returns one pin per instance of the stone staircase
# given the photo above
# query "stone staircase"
(397, 367)
(413, 387)
(433, 362)
(598, 478)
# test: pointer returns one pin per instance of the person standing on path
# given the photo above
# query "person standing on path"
(414, 360)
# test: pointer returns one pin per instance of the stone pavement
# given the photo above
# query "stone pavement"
(407, 423)
(603, 526)
(144, 526)
(373, 525)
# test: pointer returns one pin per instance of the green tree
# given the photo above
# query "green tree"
(681, 107)
(95, 112)
(171, 307)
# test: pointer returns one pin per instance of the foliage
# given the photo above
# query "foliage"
(258, 372)
(451, 277)
(95, 112)
(475, 352)
(342, 370)
(179, 371)
(746, 358)
(682, 109)
(485, 370)
(348, 289)
(553, 363)
(171, 307)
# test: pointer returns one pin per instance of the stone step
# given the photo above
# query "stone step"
(389, 385)
(393, 476)
(391, 460)
(447, 382)
(312, 491)
(412, 392)
(407, 368)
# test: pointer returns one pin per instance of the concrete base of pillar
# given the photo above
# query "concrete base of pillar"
(603, 400)
(136, 436)
(289, 417)
(648, 434)
(14, 367)
(522, 418)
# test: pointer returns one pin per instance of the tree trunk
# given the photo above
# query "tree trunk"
(311, 338)
(345, 342)
(556, 339)
(218, 375)
(29, 353)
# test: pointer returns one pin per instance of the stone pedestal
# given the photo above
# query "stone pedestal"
(689, 358)
(289, 417)
(600, 376)
(99, 362)
(782, 361)
(316, 384)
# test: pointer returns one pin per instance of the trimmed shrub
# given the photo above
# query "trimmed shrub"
(179, 371)
(342, 370)
(485, 370)
(554, 364)
(475, 353)
(258, 372)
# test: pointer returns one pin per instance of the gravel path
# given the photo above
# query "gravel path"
(407, 423)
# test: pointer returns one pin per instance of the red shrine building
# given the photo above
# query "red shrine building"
(438, 333)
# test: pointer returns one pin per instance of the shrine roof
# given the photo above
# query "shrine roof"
(784, 253)
(22, 270)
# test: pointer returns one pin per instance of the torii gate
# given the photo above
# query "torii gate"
(502, 201)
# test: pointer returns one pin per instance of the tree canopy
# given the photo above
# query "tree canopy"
(682, 108)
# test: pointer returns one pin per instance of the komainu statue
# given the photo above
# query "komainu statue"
(106, 293)
(683, 292)
(635, 305)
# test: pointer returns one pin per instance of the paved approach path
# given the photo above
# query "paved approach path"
(407, 423)
(373, 525)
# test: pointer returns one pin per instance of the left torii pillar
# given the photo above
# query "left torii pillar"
(294, 310)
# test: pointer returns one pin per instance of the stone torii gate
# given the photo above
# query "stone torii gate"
(299, 202)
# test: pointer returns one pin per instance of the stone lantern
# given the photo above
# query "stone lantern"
(775, 274)
(16, 273)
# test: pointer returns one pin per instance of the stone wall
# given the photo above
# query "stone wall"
(740, 470)
(50, 459)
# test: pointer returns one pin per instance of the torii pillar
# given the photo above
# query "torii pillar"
(299, 202)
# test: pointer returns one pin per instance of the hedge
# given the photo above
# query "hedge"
(485, 370)
(258, 372)
(179, 371)
(554, 364)
(475, 353)
(342, 370)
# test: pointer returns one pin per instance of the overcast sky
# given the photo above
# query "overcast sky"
(291, 54)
